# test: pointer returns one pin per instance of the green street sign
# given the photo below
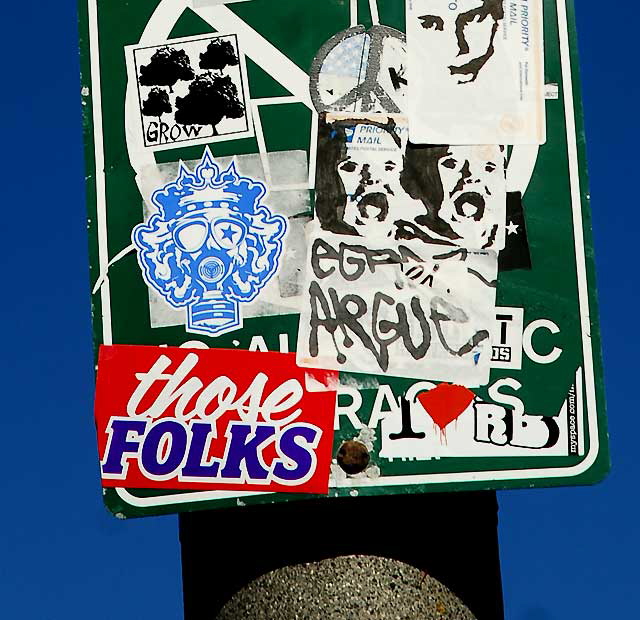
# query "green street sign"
(395, 194)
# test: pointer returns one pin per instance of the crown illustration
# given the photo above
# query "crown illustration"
(208, 188)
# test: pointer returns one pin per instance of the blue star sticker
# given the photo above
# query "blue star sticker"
(228, 233)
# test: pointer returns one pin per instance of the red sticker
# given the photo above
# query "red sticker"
(172, 418)
(446, 403)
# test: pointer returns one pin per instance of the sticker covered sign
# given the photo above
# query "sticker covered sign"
(332, 228)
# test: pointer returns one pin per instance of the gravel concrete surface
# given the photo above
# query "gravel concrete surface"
(358, 587)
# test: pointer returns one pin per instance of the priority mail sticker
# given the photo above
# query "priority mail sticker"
(174, 418)
(475, 72)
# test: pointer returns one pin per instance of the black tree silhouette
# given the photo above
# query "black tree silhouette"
(157, 103)
(210, 99)
(218, 55)
(167, 66)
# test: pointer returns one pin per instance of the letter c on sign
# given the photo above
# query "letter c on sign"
(527, 337)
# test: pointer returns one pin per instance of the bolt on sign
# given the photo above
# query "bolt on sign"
(338, 248)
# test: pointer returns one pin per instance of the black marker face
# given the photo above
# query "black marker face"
(370, 176)
(470, 205)
(473, 187)
(377, 185)
(464, 34)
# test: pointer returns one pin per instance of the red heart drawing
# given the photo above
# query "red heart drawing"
(446, 403)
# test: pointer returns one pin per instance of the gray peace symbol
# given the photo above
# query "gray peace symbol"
(368, 90)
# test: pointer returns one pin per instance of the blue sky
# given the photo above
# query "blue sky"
(566, 553)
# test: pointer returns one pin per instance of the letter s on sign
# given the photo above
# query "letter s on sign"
(298, 459)
(527, 345)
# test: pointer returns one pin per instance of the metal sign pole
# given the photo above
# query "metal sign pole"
(450, 537)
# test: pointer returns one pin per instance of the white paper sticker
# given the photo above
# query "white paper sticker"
(506, 338)
(192, 90)
(482, 429)
(398, 308)
(360, 70)
(281, 295)
(475, 72)
(370, 181)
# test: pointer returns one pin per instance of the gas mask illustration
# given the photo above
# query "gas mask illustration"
(212, 246)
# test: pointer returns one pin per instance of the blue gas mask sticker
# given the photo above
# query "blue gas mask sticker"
(212, 246)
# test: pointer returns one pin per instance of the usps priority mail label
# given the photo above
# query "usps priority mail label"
(475, 72)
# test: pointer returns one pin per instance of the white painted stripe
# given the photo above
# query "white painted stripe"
(113, 261)
(262, 146)
(275, 100)
(264, 152)
(186, 498)
(581, 267)
(313, 150)
(353, 13)
(98, 143)
(373, 7)
(580, 411)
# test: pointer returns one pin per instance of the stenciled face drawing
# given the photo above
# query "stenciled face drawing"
(473, 186)
(463, 34)
(211, 245)
(371, 182)
(463, 194)
(370, 176)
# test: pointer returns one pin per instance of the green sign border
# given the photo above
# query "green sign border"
(590, 469)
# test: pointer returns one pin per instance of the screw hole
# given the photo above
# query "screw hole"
(353, 457)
